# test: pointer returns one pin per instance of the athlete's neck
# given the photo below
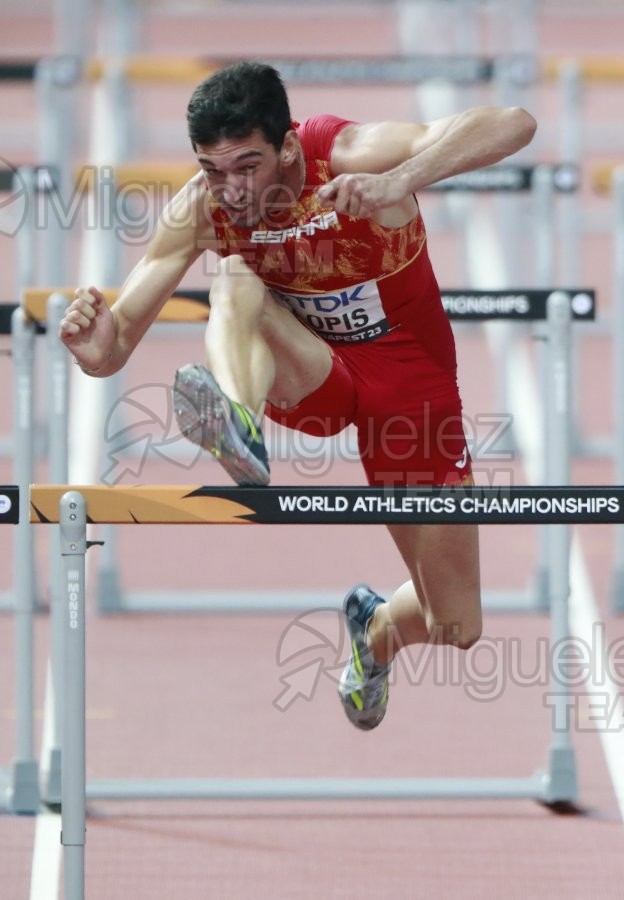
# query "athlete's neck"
(292, 183)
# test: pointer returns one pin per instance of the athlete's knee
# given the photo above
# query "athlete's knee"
(462, 634)
(236, 288)
(468, 637)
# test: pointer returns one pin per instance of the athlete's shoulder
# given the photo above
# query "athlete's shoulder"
(318, 134)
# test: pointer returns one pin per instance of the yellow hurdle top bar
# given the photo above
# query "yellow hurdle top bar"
(591, 68)
(362, 70)
(603, 174)
(183, 306)
(180, 504)
(162, 179)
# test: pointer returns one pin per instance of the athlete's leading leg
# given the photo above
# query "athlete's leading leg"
(236, 352)
(255, 349)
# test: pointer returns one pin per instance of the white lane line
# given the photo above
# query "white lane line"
(46, 860)
(608, 699)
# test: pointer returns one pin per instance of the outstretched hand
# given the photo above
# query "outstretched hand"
(88, 328)
(362, 195)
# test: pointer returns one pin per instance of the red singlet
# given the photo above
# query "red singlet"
(371, 294)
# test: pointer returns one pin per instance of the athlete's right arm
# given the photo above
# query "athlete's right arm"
(102, 339)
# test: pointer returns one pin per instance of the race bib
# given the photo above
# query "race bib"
(353, 314)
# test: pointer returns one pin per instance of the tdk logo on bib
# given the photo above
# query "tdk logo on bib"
(353, 314)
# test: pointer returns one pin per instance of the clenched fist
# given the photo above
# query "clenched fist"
(362, 195)
(88, 329)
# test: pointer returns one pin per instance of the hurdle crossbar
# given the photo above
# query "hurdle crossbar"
(18, 70)
(364, 70)
(521, 69)
(288, 505)
(603, 176)
(185, 306)
(596, 69)
(203, 505)
(165, 179)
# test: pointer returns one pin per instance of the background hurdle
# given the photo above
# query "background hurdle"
(188, 306)
(50, 81)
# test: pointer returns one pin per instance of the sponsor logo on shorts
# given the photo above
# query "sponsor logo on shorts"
(460, 464)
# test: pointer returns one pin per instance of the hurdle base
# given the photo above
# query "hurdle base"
(24, 788)
(5, 794)
(541, 590)
(594, 447)
(560, 784)
(112, 601)
(7, 604)
(531, 788)
(51, 790)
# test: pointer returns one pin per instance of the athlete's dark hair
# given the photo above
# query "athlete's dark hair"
(237, 100)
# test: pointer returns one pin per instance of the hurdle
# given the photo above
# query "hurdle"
(19, 791)
(75, 506)
(19, 787)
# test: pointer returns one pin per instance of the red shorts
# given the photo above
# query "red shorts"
(405, 404)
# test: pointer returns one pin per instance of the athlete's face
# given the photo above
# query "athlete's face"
(247, 176)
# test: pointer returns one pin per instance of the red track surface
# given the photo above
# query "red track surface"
(193, 695)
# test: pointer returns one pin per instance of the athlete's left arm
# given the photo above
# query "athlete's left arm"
(378, 165)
